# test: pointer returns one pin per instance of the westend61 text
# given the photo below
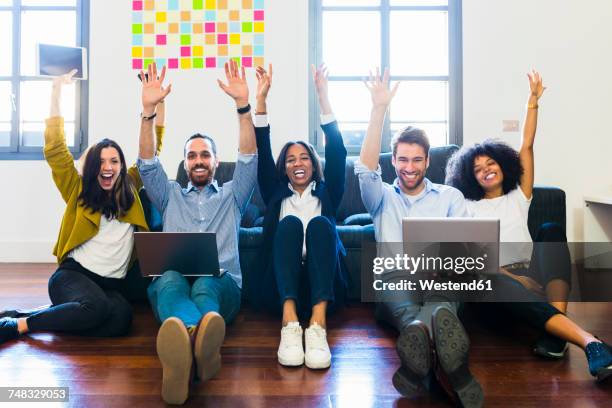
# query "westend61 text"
(429, 284)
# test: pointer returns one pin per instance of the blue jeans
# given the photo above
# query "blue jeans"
(171, 295)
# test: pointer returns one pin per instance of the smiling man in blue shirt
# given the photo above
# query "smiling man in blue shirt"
(193, 316)
(413, 195)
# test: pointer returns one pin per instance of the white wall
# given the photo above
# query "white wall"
(31, 208)
(570, 42)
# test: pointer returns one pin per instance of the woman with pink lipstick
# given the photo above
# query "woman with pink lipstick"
(498, 182)
(97, 274)
(301, 261)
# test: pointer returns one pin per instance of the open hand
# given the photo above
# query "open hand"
(236, 86)
(153, 91)
(66, 79)
(319, 77)
(535, 83)
(379, 88)
(264, 82)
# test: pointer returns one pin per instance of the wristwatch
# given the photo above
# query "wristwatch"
(148, 117)
(246, 109)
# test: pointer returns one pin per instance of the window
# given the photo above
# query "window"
(24, 97)
(420, 40)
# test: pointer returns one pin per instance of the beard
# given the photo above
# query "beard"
(412, 185)
(200, 180)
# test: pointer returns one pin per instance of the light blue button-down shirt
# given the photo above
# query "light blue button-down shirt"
(213, 209)
(388, 205)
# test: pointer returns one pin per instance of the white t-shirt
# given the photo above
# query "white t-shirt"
(414, 198)
(512, 210)
(108, 253)
(305, 207)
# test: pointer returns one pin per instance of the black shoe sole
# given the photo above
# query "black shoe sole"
(9, 313)
(414, 350)
(544, 353)
(452, 349)
(603, 374)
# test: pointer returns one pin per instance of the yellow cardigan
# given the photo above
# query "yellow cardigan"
(78, 223)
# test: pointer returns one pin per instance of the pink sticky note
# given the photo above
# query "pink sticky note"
(173, 63)
(185, 51)
(222, 39)
(209, 27)
(247, 62)
(161, 39)
(137, 5)
(211, 62)
(136, 64)
(258, 15)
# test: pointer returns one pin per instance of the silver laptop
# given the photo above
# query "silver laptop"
(481, 235)
(190, 253)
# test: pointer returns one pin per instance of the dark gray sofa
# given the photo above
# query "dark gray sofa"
(354, 224)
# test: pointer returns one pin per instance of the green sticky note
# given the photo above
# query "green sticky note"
(147, 62)
(237, 59)
(185, 39)
(136, 28)
(247, 27)
(198, 4)
(198, 62)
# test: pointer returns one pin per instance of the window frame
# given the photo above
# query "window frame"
(455, 74)
(15, 151)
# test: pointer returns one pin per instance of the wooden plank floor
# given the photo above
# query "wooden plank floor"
(125, 372)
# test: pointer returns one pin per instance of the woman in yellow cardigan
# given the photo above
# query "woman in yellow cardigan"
(97, 272)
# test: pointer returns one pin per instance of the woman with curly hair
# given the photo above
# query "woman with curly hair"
(498, 182)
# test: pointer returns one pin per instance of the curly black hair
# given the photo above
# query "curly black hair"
(460, 167)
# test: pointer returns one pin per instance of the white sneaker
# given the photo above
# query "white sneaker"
(317, 349)
(290, 350)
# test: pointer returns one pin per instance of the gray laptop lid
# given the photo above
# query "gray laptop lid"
(483, 231)
(190, 253)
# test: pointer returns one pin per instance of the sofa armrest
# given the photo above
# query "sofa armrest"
(358, 219)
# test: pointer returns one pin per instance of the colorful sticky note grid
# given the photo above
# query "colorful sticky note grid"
(197, 34)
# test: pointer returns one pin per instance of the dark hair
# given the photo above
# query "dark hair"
(460, 167)
(121, 198)
(410, 135)
(200, 136)
(317, 169)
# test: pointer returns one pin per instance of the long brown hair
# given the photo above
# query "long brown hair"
(121, 197)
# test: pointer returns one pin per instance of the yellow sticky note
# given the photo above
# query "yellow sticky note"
(258, 27)
(234, 38)
(211, 4)
(136, 52)
(197, 51)
(185, 63)
(160, 17)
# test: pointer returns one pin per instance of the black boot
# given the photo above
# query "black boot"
(8, 329)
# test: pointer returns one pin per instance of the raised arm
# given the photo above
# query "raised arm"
(56, 151)
(335, 152)
(536, 89)
(381, 98)
(160, 118)
(267, 177)
(152, 94)
(238, 89)
(245, 173)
